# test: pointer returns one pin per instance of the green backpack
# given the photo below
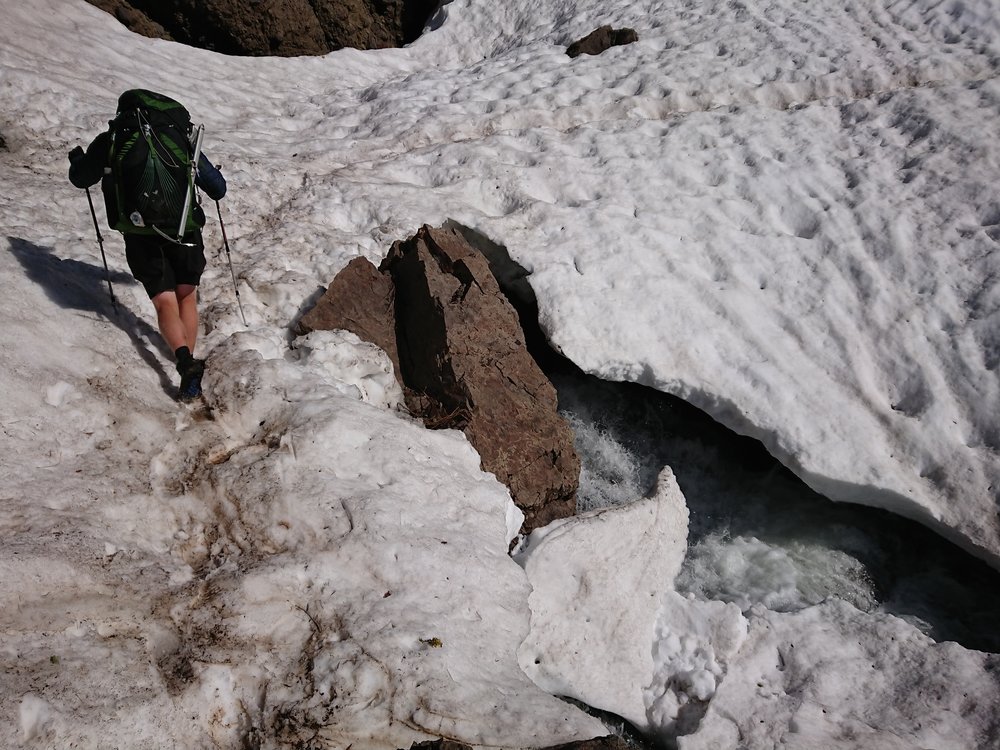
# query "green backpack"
(153, 152)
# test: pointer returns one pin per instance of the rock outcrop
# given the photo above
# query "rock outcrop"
(601, 39)
(434, 306)
(278, 27)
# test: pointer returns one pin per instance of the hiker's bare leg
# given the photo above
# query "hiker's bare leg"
(187, 302)
(168, 318)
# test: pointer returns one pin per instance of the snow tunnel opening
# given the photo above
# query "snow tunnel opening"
(758, 534)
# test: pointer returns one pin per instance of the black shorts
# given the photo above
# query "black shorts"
(161, 265)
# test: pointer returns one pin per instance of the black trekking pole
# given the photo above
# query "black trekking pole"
(100, 241)
(225, 242)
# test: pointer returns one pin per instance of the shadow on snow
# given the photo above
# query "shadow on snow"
(76, 285)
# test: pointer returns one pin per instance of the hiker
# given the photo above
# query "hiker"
(160, 220)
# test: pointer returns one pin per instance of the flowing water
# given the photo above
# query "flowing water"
(758, 534)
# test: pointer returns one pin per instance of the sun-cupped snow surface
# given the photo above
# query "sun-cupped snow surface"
(779, 211)
(783, 213)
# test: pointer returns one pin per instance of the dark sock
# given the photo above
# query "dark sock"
(183, 354)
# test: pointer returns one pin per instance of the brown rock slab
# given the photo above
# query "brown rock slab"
(359, 300)
(461, 358)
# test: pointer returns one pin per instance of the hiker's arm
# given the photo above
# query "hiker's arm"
(86, 169)
(210, 179)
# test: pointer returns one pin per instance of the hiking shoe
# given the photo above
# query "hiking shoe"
(190, 371)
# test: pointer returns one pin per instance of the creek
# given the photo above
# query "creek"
(758, 534)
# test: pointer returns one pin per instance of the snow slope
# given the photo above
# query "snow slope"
(804, 206)
(780, 212)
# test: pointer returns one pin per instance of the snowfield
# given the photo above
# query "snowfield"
(784, 213)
